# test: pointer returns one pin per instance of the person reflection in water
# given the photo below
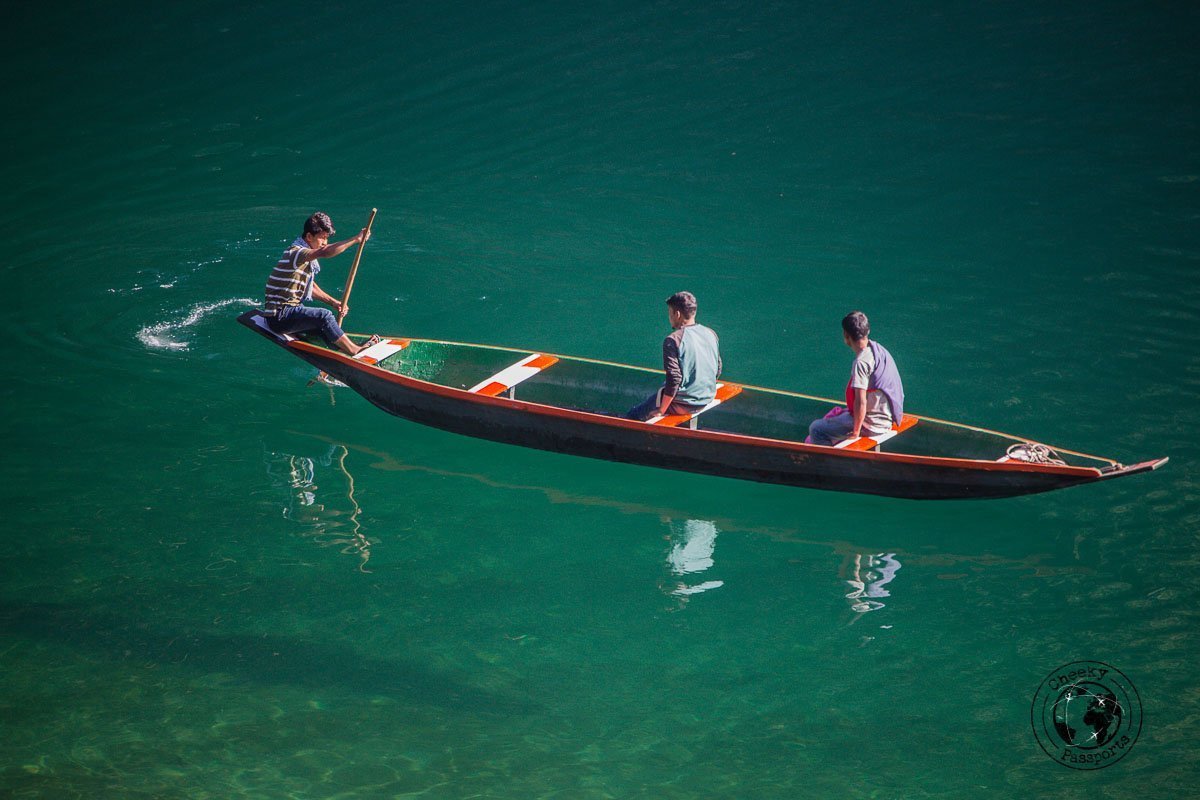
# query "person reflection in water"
(326, 526)
(692, 544)
(868, 574)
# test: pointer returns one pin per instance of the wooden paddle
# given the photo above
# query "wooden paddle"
(322, 377)
(354, 269)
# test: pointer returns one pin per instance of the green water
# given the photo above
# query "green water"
(218, 583)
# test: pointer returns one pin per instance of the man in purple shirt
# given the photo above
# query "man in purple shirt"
(874, 394)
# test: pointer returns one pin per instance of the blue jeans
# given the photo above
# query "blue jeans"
(649, 407)
(299, 319)
(831, 430)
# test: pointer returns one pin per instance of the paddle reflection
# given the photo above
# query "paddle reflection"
(692, 544)
(322, 522)
(866, 574)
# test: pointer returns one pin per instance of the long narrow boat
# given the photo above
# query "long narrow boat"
(574, 405)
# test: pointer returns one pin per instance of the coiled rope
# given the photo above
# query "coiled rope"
(1034, 453)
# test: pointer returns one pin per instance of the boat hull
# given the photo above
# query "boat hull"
(723, 454)
(514, 422)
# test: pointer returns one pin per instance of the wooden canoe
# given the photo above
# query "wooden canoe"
(574, 406)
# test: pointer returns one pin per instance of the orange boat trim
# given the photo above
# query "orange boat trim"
(778, 444)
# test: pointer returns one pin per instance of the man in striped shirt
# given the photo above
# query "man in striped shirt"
(294, 280)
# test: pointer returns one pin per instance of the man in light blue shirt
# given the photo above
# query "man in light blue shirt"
(691, 361)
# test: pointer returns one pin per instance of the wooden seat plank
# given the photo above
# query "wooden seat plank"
(724, 392)
(876, 439)
(510, 376)
(381, 350)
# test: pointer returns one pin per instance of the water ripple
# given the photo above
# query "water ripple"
(166, 335)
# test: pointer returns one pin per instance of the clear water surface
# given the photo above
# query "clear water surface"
(218, 583)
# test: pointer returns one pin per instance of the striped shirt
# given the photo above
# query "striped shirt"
(290, 283)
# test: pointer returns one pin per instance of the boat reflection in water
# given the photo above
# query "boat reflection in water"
(866, 575)
(323, 523)
(692, 544)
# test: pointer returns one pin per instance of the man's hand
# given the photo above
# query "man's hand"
(337, 248)
(860, 412)
(341, 309)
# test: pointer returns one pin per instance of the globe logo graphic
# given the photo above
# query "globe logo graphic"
(1086, 715)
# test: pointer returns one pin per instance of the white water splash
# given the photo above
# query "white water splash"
(168, 335)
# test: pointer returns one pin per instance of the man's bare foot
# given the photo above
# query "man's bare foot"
(375, 339)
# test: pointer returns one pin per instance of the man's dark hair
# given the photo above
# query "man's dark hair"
(856, 326)
(318, 223)
(683, 302)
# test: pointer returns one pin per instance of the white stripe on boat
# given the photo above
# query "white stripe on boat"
(509, 377)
